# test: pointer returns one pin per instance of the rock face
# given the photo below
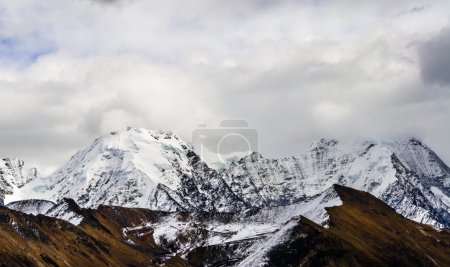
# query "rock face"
(14, 174)
(138, 168)
(406, 174)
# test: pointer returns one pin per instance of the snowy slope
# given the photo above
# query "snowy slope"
(137, 168)
(14, 174)
(31, 206)
(65, 210)
(312, 208)
(257, 253)
(242, 233)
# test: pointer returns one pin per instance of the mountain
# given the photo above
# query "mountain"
(159, 171)
(362, 231)
(14, 175)
(138, 168)
(406, 174)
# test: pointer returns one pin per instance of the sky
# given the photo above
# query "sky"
(73, 70)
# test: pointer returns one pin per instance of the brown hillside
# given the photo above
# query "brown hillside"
(363, 232)
(28, 240)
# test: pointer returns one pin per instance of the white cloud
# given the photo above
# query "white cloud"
(327, 112)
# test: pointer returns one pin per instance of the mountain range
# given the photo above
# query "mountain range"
(159, 171)
(242, 213)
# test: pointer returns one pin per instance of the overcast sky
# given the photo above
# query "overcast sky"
(72, 70)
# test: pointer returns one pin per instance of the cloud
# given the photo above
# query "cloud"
(435, 59)
(297, 71)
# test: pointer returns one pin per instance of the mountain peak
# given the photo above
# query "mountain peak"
(408, 140)
(324, 143)
(137, 168)
(252, 157)
(127, 137)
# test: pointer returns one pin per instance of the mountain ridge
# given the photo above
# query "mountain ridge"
(380, 168)
(362, 230)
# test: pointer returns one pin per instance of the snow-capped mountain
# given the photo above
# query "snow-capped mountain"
(251, 212)
(137, 168)
(406, 174)
(159, 171)
(14, 175)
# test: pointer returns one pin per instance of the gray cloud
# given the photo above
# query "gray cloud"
(435, 59)
(418, 8)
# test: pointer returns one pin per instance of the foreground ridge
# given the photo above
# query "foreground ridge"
(362, 231)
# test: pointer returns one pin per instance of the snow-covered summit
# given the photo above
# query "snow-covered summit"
(137, 168)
